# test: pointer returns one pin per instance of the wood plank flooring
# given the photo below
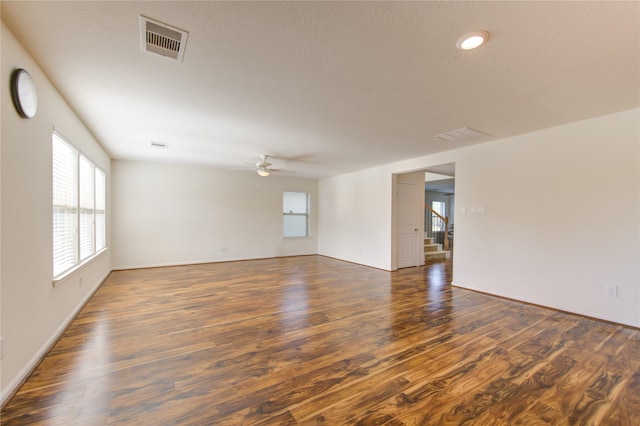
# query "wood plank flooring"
(313, 340)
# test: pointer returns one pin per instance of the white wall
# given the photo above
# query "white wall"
(33, 312)
(354, 218)
(542, 239)
(176, 214)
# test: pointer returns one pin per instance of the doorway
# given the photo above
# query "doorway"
(439, 211)
(414, 225)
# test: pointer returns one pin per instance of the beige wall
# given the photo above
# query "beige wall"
(543, 238)
(33, 312)
(176, 214)
(355, 217)
(563, 217)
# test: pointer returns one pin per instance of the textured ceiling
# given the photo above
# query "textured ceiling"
(330, 87)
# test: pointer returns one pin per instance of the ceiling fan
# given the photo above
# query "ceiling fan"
(264, 167)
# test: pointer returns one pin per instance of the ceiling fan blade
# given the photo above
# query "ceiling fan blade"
(265, 166)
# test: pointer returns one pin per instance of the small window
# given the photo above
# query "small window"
(79, 199)
(295, 208)
(437, 224)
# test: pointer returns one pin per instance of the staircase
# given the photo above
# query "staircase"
(433, 252)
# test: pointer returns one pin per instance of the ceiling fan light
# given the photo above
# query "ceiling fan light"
(264, 173)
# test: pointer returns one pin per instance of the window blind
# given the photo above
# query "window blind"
(79, 207)
(87, 208)
(100, 217)
(295, 208)
(65, 205)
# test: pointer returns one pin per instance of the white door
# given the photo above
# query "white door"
(407, 212)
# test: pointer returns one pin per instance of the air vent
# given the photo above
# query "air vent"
(162, 39)
(463, 135)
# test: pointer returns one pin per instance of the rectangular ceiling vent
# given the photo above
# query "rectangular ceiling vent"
(162, 39)
(463, 135)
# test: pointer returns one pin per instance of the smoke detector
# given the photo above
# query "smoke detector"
(162, 39)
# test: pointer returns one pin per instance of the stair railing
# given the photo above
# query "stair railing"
(446, 226)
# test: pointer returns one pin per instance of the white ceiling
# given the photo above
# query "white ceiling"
(330, 87)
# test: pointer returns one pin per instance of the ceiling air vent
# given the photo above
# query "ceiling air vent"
(162, 39)
(463, 135)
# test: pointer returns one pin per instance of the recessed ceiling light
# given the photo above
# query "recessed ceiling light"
(472, 40)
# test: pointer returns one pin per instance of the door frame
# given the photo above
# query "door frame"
(445, 169)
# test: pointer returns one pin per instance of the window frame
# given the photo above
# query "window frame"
(306, 215)
(88, 209)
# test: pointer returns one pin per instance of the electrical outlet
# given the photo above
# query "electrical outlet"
(611, 290)
(224, 248)
(80, 281)
(1, 347)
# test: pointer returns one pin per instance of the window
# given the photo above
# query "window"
(87, 208)
(437, 224)
(79, 199)
(295, 209)
(65, 206)
(101, 214)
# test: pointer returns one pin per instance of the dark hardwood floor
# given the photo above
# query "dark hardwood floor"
(312, 340)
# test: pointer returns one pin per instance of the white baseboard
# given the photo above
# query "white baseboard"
(33, 363)
(201, 262)
(168, 264)
(567, 309)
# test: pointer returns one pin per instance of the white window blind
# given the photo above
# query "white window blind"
(87, 208)
(101, 223)
(79, 207)
(295, 208)
(65, 206)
